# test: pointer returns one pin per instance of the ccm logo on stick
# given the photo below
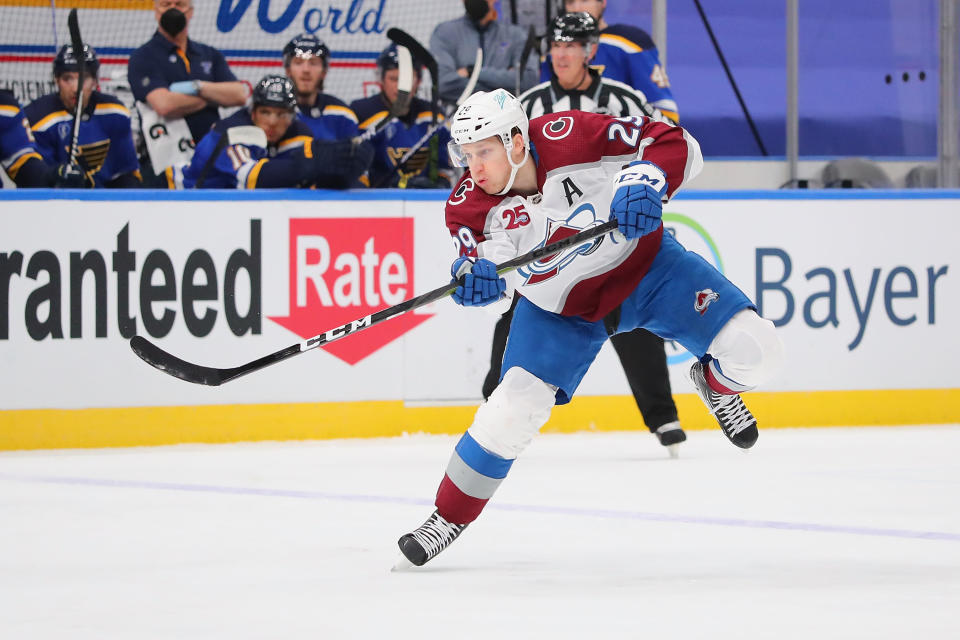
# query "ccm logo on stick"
(345, 268)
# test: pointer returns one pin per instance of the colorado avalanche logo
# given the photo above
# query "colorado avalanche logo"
(584, 217)
(559, 128)
(461, 194)
(703, 300)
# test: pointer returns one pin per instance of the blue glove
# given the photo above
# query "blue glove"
(480, 285)
(637, 203)
(186, 87)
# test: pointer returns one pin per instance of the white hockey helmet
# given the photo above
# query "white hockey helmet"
(487, 114)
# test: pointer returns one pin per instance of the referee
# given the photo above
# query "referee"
(574, 85)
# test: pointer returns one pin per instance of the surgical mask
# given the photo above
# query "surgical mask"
(173, 21)
(476, 9)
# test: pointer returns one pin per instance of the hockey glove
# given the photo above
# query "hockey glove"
(338, 164)
(637, 202)
(480, 285)
(71, 176)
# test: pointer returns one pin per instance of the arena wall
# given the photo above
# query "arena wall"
(864, 286)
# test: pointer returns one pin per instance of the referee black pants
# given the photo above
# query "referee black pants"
(643, 358)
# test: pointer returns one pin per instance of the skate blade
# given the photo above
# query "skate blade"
(674, 450)
(402, 564)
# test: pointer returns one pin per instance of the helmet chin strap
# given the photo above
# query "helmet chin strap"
(514, 168)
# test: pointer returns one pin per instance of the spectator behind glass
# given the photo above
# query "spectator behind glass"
(398, 137)
(306, 60)
(19, 156)
(105, 152)
(626, 53)
(180, 83)
(454, 44)
(267, 146)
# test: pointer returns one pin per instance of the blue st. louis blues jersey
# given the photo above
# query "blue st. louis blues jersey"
(105, 142)
(397, 138)
(627, 54)
(238, 166)
(17, 146)
(329, 118)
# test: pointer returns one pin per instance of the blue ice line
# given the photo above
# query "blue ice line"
(525, 508)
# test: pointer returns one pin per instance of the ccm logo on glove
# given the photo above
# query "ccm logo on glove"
(637, 203)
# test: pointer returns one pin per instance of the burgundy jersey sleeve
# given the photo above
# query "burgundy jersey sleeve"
(570, 138)
(467, 216)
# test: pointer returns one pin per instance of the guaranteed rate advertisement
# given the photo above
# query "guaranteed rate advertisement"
(866, 296)
(217, 282)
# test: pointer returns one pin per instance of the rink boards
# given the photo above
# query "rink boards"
(864, 287)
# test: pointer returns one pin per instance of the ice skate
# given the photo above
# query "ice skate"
(735, 419)
(671, 435)
(429, 539)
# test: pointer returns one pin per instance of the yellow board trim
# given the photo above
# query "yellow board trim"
(147, 426)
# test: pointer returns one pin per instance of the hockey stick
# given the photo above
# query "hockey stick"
(474, 76)
(532, 41)
(212, 376)
(429, 135)
(248, 135)
(403, 39)
(419, 52)
(400, 106)
(77, 43)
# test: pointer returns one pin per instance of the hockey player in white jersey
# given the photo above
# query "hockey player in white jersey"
(532, 182)
(575, 85)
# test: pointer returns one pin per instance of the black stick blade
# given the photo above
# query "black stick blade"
(404, 39)
(174, 366)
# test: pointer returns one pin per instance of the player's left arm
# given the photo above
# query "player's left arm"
(644, 70)
(648, 75)
(19, 155)
(665, 157)
(225, 90)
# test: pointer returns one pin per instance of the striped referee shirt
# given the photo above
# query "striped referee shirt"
(602, 96)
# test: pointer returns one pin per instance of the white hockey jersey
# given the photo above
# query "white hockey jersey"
(577, 155)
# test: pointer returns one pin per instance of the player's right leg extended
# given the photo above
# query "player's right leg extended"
(501, 430)
(546, 357)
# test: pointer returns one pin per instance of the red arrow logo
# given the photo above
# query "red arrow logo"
(342, 269)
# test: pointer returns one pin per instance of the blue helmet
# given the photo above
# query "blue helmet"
(66, 60)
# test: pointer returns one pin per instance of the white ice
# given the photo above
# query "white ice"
(815, 533)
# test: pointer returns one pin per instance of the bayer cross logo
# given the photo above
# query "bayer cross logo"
(695, 238)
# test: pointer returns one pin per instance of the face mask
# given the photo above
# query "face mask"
(476, 9)
(173, 21)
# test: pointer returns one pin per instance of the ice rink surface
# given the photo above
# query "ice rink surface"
(814, 533)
